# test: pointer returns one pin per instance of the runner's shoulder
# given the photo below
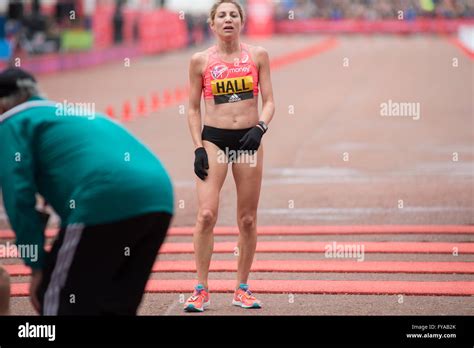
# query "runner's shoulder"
(258, 53)
(200, 57)
(199, 60)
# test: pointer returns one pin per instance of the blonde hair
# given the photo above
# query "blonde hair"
(214, 7)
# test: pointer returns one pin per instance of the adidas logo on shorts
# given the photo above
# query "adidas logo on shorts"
(234, 98)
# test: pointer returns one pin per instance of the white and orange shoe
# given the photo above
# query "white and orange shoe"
(199, 301)
(244, 298)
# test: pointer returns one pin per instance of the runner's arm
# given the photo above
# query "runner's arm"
(266, 89)
(194, 113)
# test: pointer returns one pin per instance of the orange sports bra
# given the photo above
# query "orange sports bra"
(230, 82)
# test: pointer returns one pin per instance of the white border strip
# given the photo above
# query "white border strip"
(61, 268)
(24, 106)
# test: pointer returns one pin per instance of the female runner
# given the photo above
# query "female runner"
(229, 75)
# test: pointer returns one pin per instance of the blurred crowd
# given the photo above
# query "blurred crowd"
(31, 32)
(27, 29)
(374, 9)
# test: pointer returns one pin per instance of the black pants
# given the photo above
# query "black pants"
(102, 269)
(224, 138)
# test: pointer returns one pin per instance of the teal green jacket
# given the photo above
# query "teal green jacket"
(90, 169)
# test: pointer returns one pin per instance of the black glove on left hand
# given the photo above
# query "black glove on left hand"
(251, 140)
(201, 163)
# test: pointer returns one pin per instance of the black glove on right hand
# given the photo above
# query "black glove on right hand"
(201, 163)
(251, 140)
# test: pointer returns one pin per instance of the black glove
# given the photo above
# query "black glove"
(251, 140)
(201, 163)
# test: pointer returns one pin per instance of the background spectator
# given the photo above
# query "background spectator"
(374, 9)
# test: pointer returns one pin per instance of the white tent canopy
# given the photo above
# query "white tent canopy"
(190, 6)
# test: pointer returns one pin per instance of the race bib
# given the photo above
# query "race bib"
(232, 90)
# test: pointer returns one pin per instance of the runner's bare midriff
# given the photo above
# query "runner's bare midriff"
(240, 115)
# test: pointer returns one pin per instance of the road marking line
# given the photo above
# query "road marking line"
(307, 287)
(306, 266)
(312, 230)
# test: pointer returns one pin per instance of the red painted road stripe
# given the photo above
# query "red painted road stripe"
(317, 247)
(456, 42)
(303, 266)
(306, 287)
(304, 53)
(314, 230)
(328, 230)
(322, 266)
(321, 247)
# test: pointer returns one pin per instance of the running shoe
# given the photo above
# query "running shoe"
(244, 298)
(198, 301)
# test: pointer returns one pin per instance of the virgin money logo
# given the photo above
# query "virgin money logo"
(219, 71)
(240, 69)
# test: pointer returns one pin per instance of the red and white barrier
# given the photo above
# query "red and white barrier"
(441, 26)
(260, 18)
(161, 30)
(466, 37)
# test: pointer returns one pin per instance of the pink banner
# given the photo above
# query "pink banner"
(442, 26)
(260, 21)
(158, 31)
(161, 30)
(102, 25)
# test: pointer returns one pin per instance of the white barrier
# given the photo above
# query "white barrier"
(466, 36)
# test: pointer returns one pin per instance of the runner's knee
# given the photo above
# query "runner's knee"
(247, 221)
(207, 217)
